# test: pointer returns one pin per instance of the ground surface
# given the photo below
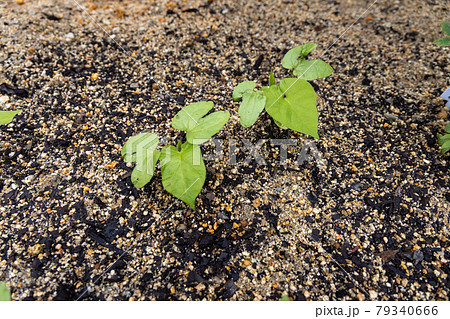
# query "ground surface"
(370, 223)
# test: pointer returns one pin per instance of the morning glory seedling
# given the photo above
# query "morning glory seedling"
(445, 41)
(292, 101)
(183, 171)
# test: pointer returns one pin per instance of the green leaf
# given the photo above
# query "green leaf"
(141, 149)
(250, 108)
(199, 129)
(443, 42)
(7, 116)
(443, 138)
(189, 116)
(285, 298)
(136, 144)
(4, 292)
(310, 70)
(444, 141)
(144, 171)
(293, 103)
(183, 172)
(445, 147)
(292, 57)
(207, 127)
(272, 80)
(447, 127)
(242, 88)
(446, 27)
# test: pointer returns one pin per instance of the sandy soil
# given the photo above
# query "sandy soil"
(372, 223)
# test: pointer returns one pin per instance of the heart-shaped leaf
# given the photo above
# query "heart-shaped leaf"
(183, 172)
(141, 149)
(242, 88)
(7, 116)
(291, 59)
(250, 108)
(310, 70)
(207, 127)
(447, 127)
(189, 116)
(293, 104)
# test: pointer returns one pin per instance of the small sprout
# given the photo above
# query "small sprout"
(291, 102)
(272, 80)
(183, 171)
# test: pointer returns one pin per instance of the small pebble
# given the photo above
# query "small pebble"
(70, 36)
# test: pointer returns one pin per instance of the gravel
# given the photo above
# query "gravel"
(372, 223)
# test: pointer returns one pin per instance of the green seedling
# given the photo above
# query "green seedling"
(444, 140)
(182, 168)
(7, 116)
(4, 292)
(291, 102)
(445, 41)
